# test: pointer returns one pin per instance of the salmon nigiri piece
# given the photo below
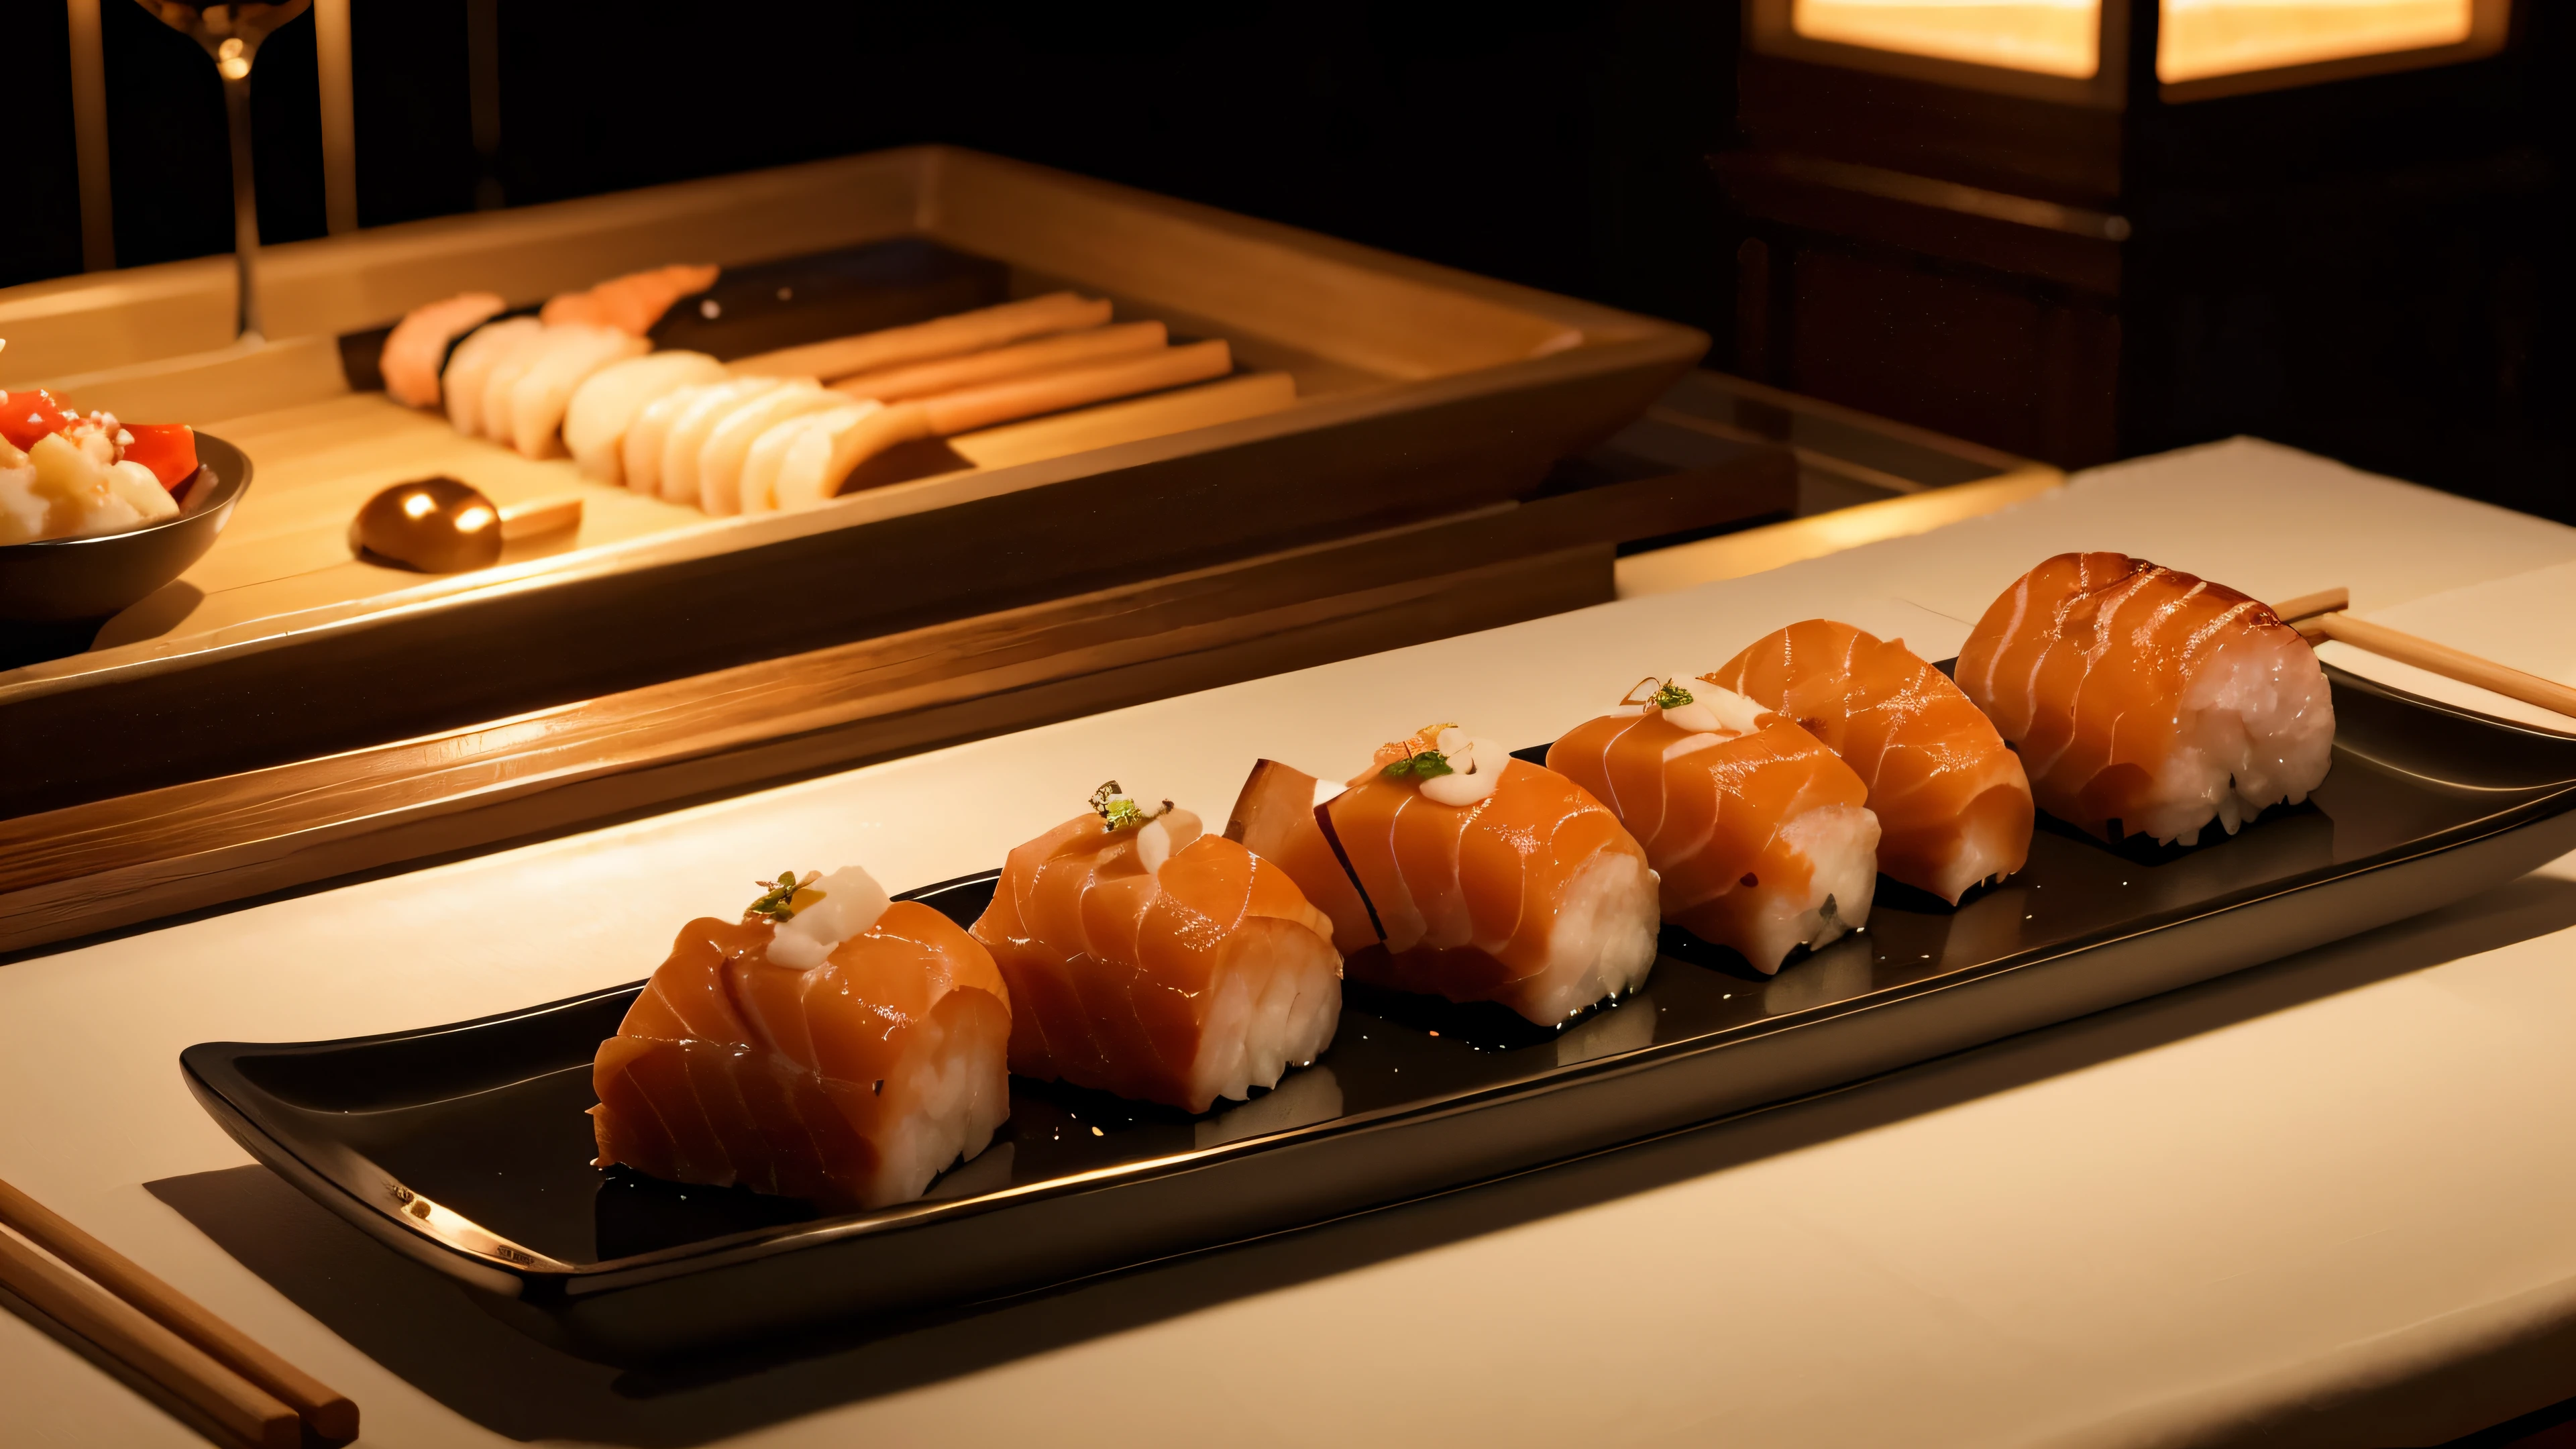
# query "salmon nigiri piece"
(631, 303)
(1149, 959)
(784, 1056)
(2145, 701)
(1491, 879)
(471, 365)
(1952, 803)
(1758, 833)
(416, 349)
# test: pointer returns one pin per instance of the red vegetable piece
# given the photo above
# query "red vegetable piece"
(30, 413)
(168, 449)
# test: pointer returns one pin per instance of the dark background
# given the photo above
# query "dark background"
(1560, 145)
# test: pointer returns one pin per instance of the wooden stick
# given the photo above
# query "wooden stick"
(2290, 611)
(1073, 387)
(235, 1404)
(922, 379)
(829, 446)
(1248, 395)
(939, 337)
(541, 515)
(330, 1413)
(2446, 661)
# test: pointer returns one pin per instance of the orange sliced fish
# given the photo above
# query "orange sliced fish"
(851, 1085)
(2145, 701)
(1533, 896)
(631, 303)
(416, 349)
(1952, 803)
(1760, 838)
(1202, 976)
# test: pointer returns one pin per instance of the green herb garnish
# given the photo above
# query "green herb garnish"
(779, 903)
(1671, 696)
(1111, 804)
(1430, 764)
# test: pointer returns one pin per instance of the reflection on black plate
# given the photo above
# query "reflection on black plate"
(486, 1120)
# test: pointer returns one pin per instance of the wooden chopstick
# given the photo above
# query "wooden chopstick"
(208, 1342)
(235, 1404)
(2290, 611)
(2323, 615)
(947, 374)
(2448, 662)
(540, 515)
(950, 336)
(967, 409)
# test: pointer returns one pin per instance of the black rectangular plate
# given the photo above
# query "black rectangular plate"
(467, 1146)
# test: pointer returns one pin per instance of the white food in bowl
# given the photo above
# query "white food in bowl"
(63, 489)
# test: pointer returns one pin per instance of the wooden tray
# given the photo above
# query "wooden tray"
(1417, 392)
(151, 851)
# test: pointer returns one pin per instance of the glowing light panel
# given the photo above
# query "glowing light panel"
(2051, 37)
(2203, 38)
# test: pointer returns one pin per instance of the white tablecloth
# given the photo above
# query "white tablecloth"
(2270, 1203)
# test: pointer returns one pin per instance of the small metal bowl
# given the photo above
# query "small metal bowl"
(62, 580)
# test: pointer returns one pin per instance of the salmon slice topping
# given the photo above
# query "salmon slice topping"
(631, 303)
(849, 1084)
(1529, 893)
(2145, 700)
(1953, 805)
(1129, 940)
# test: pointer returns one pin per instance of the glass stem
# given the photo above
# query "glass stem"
(245, 204)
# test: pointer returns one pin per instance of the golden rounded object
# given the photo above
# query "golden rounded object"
(437, 525)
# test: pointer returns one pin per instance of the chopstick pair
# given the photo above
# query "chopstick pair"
(2322, 615)
(162, 1334)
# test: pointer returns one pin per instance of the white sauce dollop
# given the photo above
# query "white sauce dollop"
(1475, 769)
(851, 903)
(1728, 709)
(1160, 838)
(1696, 717)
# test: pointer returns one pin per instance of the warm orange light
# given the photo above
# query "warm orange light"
(2202, 38)
(2051, 37)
